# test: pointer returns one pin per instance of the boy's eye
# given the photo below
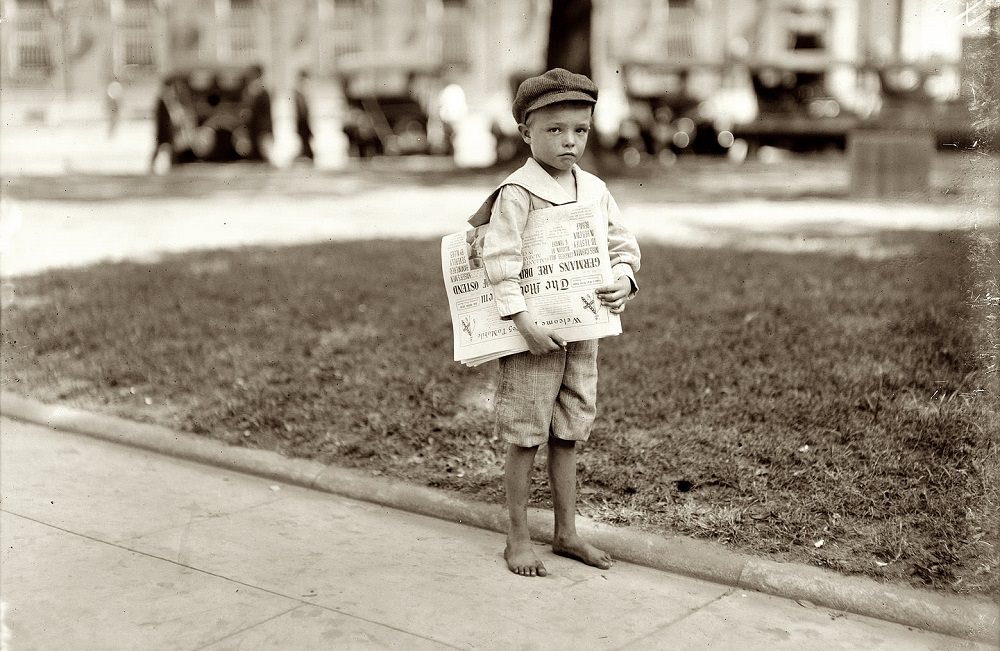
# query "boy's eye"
(553, 129)
(582, 130)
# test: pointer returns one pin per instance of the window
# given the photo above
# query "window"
(348, 18)
(682, 29)
(243, 30)
(31, 52)
(135, 36)
(454, 44)
(806, 30)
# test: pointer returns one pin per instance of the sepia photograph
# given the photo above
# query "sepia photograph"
(500, 324)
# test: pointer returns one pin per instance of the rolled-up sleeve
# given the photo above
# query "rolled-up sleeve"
(623, 249)
(502, 248)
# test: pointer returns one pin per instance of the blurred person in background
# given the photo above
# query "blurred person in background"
(302, 126)
(163, 149)
(175, 126)
(261, 126)
(113, 103)
(452, 111)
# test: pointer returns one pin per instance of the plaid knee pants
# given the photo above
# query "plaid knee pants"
(539, 395)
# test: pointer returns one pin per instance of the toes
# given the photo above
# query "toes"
(529, 570)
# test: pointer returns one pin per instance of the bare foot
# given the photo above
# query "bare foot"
(576, 548)
(521, 559)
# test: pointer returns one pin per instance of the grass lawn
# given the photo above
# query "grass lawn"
(817, 408)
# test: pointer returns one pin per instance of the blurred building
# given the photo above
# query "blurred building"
(706, 75)
(667, 68)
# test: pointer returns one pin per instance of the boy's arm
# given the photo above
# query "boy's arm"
(540, 339)
(624, 253)
(623, 249)
(503, 262)
(502, 248)
(616, 294)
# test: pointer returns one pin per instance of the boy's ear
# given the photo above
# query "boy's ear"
(525, 133)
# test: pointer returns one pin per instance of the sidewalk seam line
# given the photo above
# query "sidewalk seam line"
(299, 600)
(678, 619)
(247, 628)
(206, 518)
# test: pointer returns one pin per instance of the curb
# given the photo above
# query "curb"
(966, 617)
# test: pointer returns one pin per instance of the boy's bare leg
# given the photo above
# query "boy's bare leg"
(562, 477)
(520, 557)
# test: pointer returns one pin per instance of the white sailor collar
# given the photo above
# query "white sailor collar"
(533, 178)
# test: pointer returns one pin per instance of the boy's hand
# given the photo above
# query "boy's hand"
(616, 294)
(541, 340)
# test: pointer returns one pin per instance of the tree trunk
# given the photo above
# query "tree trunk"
(569, 36)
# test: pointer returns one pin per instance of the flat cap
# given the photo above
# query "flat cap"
(556, 85)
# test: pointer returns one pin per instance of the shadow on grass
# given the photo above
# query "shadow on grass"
(696, 179)
(818, 408)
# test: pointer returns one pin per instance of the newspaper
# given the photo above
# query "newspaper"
(565, 252)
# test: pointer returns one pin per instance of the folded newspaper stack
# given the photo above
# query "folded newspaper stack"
(565, 252)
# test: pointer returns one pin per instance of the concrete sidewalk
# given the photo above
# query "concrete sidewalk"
(106, 546)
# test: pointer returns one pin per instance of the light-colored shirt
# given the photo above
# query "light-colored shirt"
(506, 210)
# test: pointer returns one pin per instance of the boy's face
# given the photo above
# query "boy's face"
(557, 134)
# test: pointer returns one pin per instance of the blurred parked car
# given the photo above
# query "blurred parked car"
(666, 118)
(796, 111)
(214, 113)
(391, 117)
(928, 97)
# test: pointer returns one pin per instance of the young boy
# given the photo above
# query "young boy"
(549, 394)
